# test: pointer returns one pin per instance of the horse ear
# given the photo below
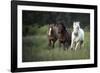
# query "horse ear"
(48, 25)
(53, 24)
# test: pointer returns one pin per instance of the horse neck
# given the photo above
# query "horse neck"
(64, 31)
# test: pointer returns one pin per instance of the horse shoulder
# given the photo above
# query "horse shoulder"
(73, 36)
(82, 31)
(81, 34)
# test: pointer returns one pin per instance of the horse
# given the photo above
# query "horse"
(52, 35)
(64, 36)
(77, 36)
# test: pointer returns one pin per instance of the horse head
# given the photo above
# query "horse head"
(76, 26)
(52, 34)
(51, 29)
(61, 28)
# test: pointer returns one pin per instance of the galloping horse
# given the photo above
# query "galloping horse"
(52, 35)
(64, 36)
(77, 36)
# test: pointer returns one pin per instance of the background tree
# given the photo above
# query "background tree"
(38, 19)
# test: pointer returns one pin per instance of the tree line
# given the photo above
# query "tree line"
(40, 18)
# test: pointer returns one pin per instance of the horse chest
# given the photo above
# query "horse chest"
(62, 39)
(53, 38)
(76, 38)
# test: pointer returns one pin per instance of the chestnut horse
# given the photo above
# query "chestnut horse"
(52, 35)
(64, 36)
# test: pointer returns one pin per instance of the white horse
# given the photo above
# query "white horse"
(77, 36)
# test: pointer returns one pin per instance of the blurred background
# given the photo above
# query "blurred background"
(34, 20)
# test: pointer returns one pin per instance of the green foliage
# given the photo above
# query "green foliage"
(87, 28)
(34, 30)
(42, 30)
(35, 48)
(34, 20)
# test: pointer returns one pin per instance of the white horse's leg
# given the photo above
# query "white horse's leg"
(77, 44)
(81, 44)
(72, 43)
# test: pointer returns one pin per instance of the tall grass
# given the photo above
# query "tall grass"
(35, 48)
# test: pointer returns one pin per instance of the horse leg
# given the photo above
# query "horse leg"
(64, 45)
(72, 44)
(49, 43)
(59, 44)
(67, 45)
(77, 44)
(53, 44)
(81, 43)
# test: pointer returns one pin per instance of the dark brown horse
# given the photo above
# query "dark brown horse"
(64, 36)
(52, 35)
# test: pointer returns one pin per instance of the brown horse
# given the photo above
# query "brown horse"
(64, 36)
(52, 35)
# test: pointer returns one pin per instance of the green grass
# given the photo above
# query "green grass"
(35, 48)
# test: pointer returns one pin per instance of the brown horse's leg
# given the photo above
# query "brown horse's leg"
(49, 43)
(64, 45)
(53, 44)
(59, 44)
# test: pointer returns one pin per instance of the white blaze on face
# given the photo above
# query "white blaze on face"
(50, 31)
(76, 26)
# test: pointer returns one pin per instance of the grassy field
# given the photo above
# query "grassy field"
(35, 48)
